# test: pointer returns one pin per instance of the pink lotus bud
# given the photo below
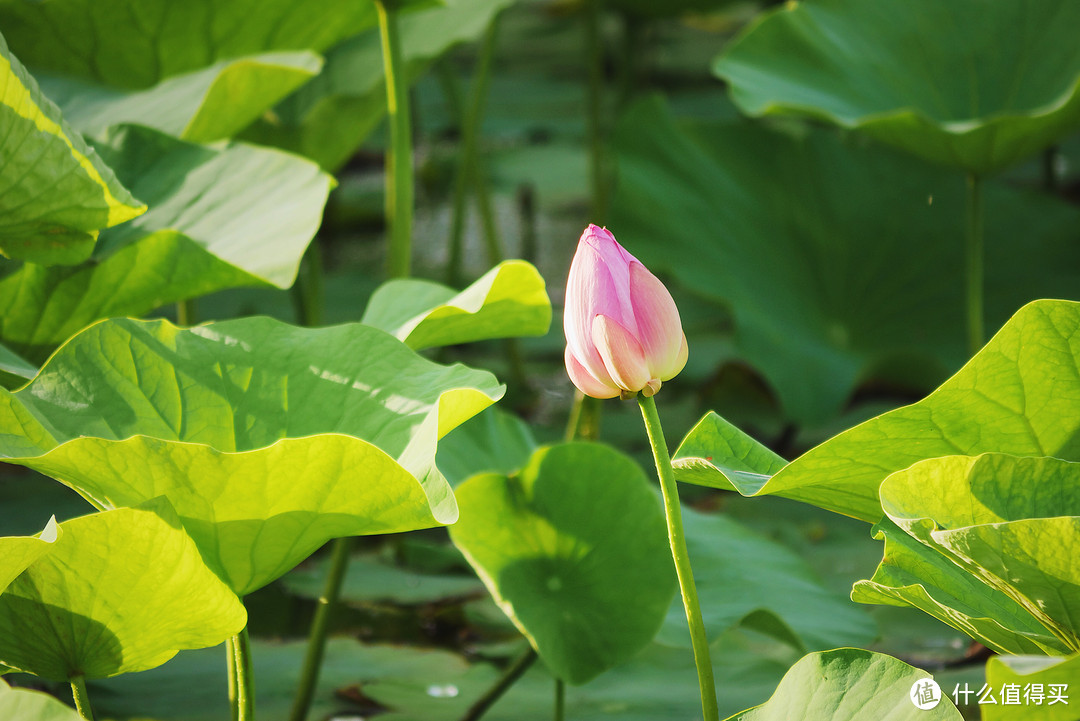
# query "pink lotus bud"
(623, 332)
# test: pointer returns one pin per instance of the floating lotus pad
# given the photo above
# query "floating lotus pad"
(256, 431)
(509, 301)
(121, 591)
(964, 83)
(55, 192)
(554, 544)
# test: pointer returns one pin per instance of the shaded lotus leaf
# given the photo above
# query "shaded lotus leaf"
(962, 83)
(588, 585)
(370, 579)
(849, 684)
(20, 704)
(1023, 387)
(193, 688)
(509, 301)
(56, 194)
(1012, 522)
(858, 281)
(138, 43)
(1024, 672)
(744, 577)
(648, 10)
(120, 591)
(410, 684)
(267, 439)
(717, 454)
(494, 441)
(203, 105)
(15, 365)
(330, 117)
(913, 574)
(21, 551)
(221, 217)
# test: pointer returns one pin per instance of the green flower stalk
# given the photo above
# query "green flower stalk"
(624, 338)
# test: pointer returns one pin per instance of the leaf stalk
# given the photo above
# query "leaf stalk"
(677, 539)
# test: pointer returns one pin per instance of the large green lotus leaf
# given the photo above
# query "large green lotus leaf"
(1012, 522)
(968, 83)
(744, 577)
(1022, 672)
(15, 365)
(120, 591)
(203, 105)
(495, 441)
(509, 301)
(330, 117)
(21, 551)
(1023, 388)
(138, 43)
(18, 704)
(56, 194)
(913, 574)
(267, 439)
(854, 281)
(221, 217)
(718, 454)
(849, 684)
(574, 550)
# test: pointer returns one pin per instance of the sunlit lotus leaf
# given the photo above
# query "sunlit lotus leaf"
(267, 439)
(120, 591)
(56, 194)
(509, 301)
(220, 217)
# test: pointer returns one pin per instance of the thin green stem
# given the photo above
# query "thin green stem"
(560, 699)
(469, 169)
(82, 700)
(974, 264)
(320, 625)
(471, 141)
(187, 312)
(456, 243)
(598, 161)
(512, 673)
(677, 539)
(399, 166)
(584, 419)
(245, 677)
(307, 291)
(230, 664)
